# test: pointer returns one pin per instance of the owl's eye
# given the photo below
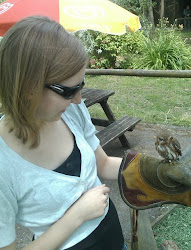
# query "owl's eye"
(161, 139)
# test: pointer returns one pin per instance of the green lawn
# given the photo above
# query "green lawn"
(186, 34)
(154, 100)
(176, 227)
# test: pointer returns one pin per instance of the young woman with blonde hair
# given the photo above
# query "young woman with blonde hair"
(50, 157)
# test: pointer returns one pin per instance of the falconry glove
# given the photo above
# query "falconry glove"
(146, 181)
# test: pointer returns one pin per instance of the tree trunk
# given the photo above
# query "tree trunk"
(150, 13)
(161, 9)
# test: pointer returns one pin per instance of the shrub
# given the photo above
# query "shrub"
(144, 49)
(111, 51)
(166, 50)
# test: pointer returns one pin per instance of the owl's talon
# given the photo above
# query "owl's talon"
(166, 161)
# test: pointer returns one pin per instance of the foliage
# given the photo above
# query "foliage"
(165, 50)
(111, 51)
(140, 8)
(160, 50)
(136, 6)
(130, 5)
(87, 38)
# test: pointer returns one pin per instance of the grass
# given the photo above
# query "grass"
(176, 227)
(154, 100)
(185, 34)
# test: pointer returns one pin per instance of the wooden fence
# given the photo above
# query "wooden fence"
(141, 72)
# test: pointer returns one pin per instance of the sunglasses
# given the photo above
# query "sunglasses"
(66, 92)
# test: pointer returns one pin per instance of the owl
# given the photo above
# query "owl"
(168, 147)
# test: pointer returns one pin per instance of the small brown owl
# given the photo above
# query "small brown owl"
(168, 147)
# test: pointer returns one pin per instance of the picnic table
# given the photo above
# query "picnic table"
(113, 128)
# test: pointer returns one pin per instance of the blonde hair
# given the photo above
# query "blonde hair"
(36, 50)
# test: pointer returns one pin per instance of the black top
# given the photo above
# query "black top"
(108, 235)
(72, 165)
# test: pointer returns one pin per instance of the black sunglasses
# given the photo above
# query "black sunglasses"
(66, 92)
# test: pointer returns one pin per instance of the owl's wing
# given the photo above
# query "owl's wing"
(176, 145)
(156, 145)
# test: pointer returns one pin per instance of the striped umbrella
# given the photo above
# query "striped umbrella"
(74, 15)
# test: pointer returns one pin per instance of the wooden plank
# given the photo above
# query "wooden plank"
(146, 240)
(101, 122)
(133, 244)
(116, 129)
(93, 96)
(124, 141)
(107, 110)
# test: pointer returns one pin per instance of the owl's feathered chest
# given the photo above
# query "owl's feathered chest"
(167, 152)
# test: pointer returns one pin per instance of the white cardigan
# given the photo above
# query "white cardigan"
(36, 197)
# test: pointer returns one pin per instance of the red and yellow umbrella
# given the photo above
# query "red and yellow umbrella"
(99, 15)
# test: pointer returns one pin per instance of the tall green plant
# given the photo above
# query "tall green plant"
(166, 50)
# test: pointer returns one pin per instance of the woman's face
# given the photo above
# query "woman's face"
(52, 105)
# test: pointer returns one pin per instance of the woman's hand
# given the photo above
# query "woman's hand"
(92, 204)
(89, 206)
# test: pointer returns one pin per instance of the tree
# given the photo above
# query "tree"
(147, 10)
(150, 13)
(140, 7)
(162, 9)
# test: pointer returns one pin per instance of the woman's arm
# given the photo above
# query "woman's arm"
(89, 206)
(107, 167)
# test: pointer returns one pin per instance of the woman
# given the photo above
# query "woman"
(50, 158)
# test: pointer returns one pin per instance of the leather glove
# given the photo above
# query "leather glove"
(146, 181)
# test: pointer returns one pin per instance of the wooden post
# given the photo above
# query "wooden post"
(145, 235)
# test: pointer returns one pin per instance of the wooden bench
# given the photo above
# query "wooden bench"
(116, 129)
(113, 128)
(93, 96)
